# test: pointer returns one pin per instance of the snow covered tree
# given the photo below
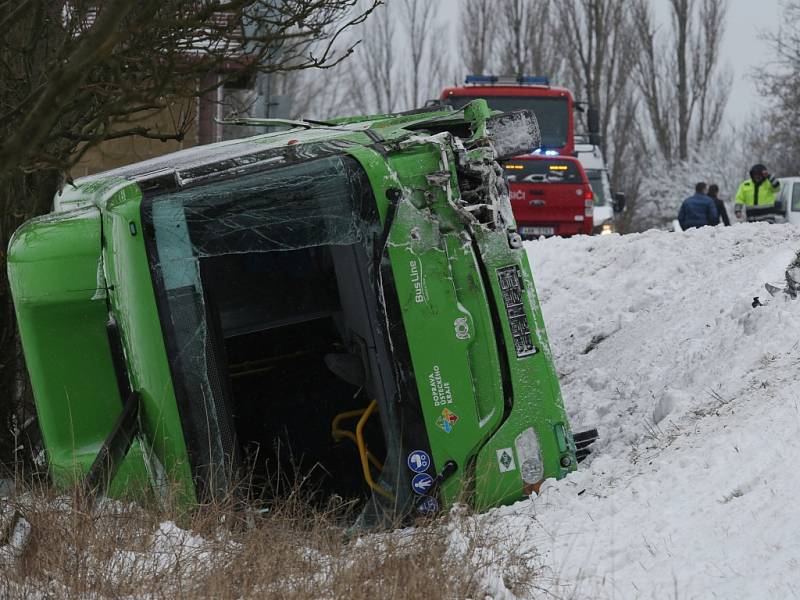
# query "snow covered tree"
(666, 184)
(778, 83)
(478, 37)
(400, 63)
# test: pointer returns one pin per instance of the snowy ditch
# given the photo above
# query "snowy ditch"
(689, 492)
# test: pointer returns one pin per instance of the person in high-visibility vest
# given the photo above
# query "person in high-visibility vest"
(758, 191)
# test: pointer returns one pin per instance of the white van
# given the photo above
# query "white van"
(787, 205)
(607, 206)
(790, 198)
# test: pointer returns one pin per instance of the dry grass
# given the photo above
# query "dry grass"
(121, 550)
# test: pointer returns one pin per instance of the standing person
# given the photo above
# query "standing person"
(713, 193)
(756, 192)
(698, 210)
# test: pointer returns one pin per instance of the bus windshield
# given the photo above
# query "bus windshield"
(262, 279)
(552, 113)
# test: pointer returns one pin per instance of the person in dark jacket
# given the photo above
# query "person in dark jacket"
(713, 193)
(698, 210)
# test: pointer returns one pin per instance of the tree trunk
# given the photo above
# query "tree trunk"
(681, 13)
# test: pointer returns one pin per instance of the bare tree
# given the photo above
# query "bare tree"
(652, 72)
(382, 79)
(529, 37)
(710, 90)
(680, 18)
(478, 35)
(317, 94)
(373, 74)
(599, 67)
(773, 136)
(680, 78)
(419, 17)
(76, 71)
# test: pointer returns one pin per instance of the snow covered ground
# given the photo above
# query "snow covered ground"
(691, 491)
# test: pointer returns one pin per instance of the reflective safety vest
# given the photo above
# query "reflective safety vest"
(766, 193)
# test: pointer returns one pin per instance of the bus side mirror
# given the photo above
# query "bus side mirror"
(513, 133)
(619, 202)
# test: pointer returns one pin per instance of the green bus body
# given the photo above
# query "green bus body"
(457, 356)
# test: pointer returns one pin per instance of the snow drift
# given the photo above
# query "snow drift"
(690, 491)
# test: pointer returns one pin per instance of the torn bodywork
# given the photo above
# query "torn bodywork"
(344, 307)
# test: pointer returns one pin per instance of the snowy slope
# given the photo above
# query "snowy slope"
(691, 491)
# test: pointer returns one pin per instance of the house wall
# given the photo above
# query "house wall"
(127, 150)
(250, 98)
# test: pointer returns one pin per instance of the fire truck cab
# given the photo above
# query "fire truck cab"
(553, 106)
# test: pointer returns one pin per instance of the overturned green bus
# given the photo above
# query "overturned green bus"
(344, 304)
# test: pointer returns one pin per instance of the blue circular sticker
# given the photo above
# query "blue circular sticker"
(427, 506)
(419, 461)
(422, 483)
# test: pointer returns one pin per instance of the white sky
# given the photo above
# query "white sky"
(750, 25)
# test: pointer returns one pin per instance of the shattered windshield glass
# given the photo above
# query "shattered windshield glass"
(309, 204)
(268, 303)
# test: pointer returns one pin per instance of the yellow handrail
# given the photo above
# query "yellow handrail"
(362, 450)
(364, 454)
(338, 434)
(341, 417)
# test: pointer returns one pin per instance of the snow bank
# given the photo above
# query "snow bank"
(691, 489)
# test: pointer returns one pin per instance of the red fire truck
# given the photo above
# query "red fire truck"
(553, 106)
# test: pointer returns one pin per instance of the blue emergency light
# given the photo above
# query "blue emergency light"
(508, 80)
(534, 80)
(481, 79)
(545, 152)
